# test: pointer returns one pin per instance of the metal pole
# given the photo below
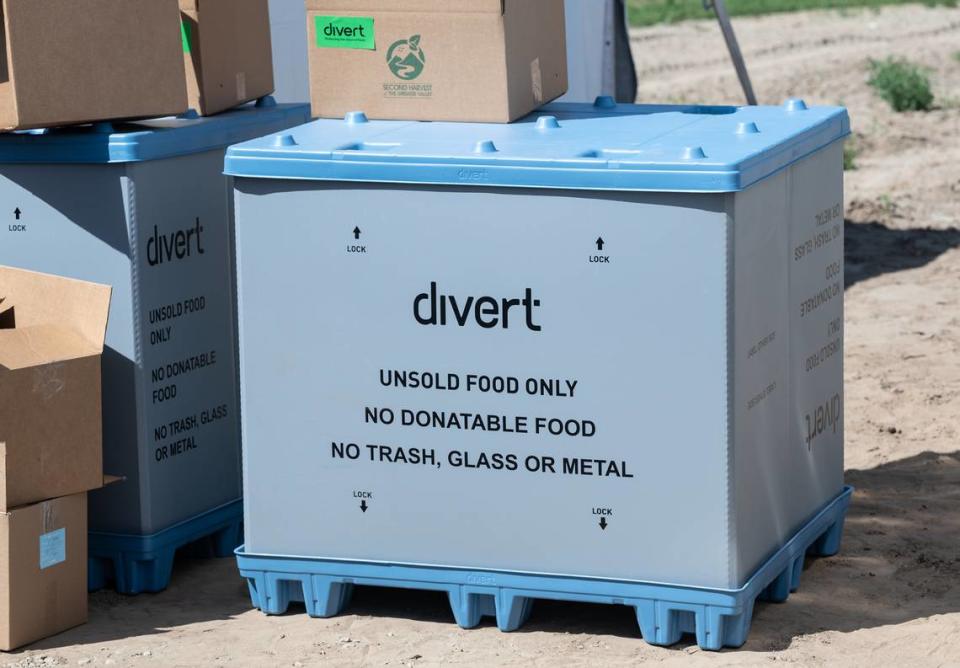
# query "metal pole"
(720, 7)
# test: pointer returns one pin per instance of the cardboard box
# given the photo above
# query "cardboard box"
(43, 569)
(227, 52)
(51, 339)
(79, 61)
(442, 60)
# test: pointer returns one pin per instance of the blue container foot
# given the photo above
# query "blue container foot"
(136, 564)
(322, 596)
(226, 541)
(717, 618)
(829, 543)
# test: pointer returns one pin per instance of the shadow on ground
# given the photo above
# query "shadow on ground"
(873, 248)
(548, 616)
(899, 562)
(201, 590)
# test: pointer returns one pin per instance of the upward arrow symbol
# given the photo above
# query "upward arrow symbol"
(356, 233)
(600, 243)
(16, 212)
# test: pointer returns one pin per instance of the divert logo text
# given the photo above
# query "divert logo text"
(433, 308)
(176, 245)
(332, 30)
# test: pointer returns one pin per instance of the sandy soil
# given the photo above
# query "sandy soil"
(893, 595)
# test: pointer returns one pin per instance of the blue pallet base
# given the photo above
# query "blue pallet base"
(136, 564)
(718, 617)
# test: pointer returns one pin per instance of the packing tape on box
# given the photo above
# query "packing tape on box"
(53, 548)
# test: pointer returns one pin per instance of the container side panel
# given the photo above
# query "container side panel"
(816, 313)
(72, 222)
(788, 431)
(189, 435)
(763, 458)
(461, 377)
(246, 480)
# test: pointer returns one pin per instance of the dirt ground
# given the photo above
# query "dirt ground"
(892, 597)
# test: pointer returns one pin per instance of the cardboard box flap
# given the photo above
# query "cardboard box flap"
(31, 299)
(41, 344)
(353, 7)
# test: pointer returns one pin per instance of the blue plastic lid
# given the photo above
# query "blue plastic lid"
(604, 146)
(136, 141)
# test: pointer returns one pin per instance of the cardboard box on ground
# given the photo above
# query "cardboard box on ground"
(77, 61)
(441, 60)
(51, 340)
(227, 52)
(43, 569)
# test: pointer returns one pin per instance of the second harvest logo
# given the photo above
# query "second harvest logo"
(406, 58)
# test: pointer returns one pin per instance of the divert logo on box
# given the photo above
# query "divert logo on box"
(406, 58)
(345, 32)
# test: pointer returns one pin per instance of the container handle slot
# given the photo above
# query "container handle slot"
(613, 153)
(368, 146)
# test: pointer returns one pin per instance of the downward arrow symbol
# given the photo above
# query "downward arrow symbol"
(603, 523)
(363, 505)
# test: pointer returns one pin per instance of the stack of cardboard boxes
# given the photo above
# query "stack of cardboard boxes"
(69, 62)
(82, 61)
(51, 340)
(95, 62)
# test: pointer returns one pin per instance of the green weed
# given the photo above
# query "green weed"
(850, 153)
(886, 203)
(904, 85)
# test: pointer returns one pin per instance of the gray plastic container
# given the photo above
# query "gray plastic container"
(145, 208)
(662, 287)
